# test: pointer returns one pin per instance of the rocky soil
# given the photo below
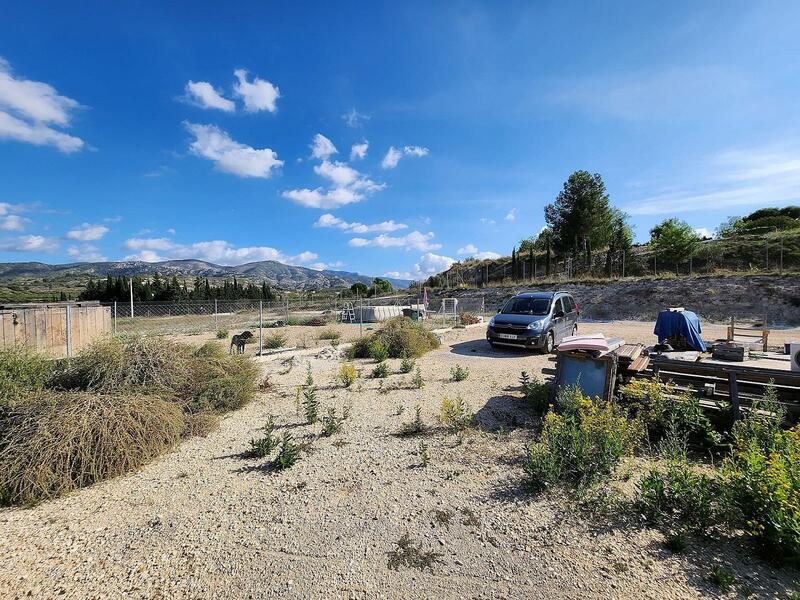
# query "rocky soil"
(205, 521)
(713, 298)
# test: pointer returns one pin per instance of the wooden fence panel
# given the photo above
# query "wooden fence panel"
(44, 329)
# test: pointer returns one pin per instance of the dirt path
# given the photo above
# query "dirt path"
(205, 522)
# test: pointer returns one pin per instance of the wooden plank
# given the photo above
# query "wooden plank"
(733, 394)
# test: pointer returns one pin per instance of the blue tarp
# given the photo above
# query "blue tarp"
(671, 324)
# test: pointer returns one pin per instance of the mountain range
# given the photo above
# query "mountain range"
(275, 273)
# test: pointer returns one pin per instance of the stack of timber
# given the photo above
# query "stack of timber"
(632, 358)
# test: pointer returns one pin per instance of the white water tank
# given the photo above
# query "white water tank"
(794, 356)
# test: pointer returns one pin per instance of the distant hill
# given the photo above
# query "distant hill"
(275, 273)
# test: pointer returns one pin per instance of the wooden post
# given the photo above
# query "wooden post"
(765, 334)
(731, 331)
(733, 393)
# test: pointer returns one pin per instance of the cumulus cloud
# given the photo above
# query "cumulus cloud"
(86, 253)
(28, 243)
(353, 118)
(203, 94)
(9, 220)
(258, 94)
(430, 264)
(472, 250)
(230, 156)
(511, 215)
(329, 220)
(704, 232)
(323, 266)
(86, 232)
(392, 157)
(359, 151)
(347, 185)
(412, 241)
(216, 251)
(31, 112)
(322, 148)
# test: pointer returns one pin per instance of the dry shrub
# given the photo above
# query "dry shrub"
(200, 424)
(469, 319)
(153, 363)
(21, 372)
(401, 337)
(52, 443)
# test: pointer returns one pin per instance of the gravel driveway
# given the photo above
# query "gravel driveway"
(206, 522)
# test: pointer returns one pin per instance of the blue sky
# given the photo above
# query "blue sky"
(383, 138)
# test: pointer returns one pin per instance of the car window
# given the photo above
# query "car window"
(527, 306)
(558, 306)
(569, 304)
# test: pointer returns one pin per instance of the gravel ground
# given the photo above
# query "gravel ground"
(205, 521)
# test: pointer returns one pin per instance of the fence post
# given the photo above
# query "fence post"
(115, 317)
(69, 332)
(260, 326)
(287, 311)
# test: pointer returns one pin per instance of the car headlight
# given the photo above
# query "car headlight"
(536, 325)
(491, 322)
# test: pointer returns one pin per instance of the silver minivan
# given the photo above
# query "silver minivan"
(536, 320)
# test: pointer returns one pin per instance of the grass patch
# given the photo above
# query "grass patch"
(22, 372)
(329, 334)
(274, 341)
(222, 334)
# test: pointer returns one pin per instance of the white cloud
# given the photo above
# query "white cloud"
(13, 223)
(86, 253)
(359, 151)
(430, 264)
(347, 184)
(171, 231)
(322, 148)
(412, 241)
(392, 157)
(322, 266)
(704, 232)
(258, 94)
(28, 243)
(231, 156)
(472, 250)
(486, 221)
(731, 179)
(320, 198)
(329, 220)
(353, 118)
(30, 111)
(216, 251)
(86, 232)
(203, 94)
(511, 215)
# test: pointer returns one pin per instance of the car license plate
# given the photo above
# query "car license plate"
(506, 336)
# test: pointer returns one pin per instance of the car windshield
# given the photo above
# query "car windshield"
(527, 306)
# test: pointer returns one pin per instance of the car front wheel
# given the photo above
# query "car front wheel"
(548, 344)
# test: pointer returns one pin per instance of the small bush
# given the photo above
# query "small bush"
(415, 427)
(54, 443)
(469, 319)
(762, 486)
(418, 382)
(380, 371)
(722, 577)
(315, 321)
(401, 337)
(679, 499)
(582, 445)
(409, 555)
(455, 415)
(459, 373)
(288, 453)
(274, 341)
(378, 351)
(664, 410)
(407, 364)
(263, 446)
(536, 393)
(310, 402)
(332, 423)
(200, 424)
(22, 372)
(329, 334)
(347, 374)
(222, 334)
(424, 458)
